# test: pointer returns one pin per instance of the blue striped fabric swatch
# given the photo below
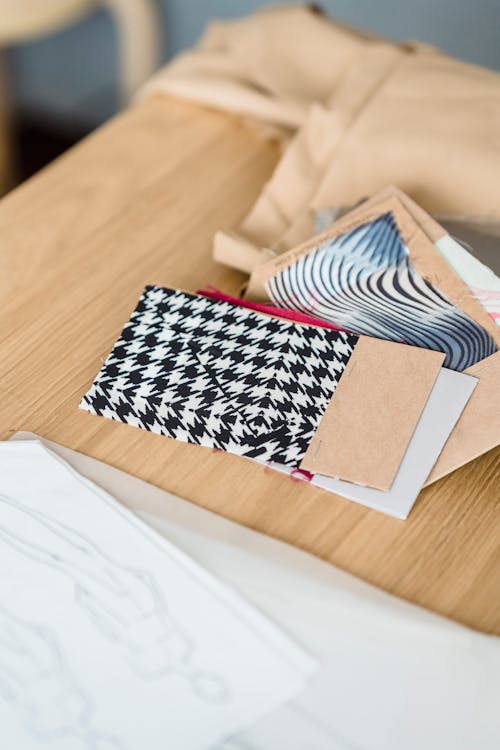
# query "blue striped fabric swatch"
(363, 281)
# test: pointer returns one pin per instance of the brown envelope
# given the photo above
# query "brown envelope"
(478, 429)
(369, 422)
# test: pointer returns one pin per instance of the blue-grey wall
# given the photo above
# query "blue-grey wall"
(72, 75)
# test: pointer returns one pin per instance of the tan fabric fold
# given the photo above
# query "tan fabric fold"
(269, 66)
(368, 113)
(432, 127)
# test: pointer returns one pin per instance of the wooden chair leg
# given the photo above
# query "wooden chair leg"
(139, 41)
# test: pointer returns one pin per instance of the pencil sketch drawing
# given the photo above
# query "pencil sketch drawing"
(124, 603)
(36, 681)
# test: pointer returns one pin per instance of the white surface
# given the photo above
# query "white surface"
(110, 636)
(393, 676)
(448, 397)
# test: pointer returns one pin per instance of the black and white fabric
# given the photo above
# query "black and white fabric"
(222, 376)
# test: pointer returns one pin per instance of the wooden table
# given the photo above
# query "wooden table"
(138, 203)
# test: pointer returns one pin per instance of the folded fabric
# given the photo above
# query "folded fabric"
(392, 675)
(222, 376)
(367, 113)
(100, 626)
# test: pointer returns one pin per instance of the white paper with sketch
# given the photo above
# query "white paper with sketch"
(392, 675)
(111, 638)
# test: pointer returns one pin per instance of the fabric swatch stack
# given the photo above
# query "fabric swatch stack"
(362, 350)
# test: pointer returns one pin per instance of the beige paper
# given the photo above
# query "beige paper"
(369, 422)
(478, 429)
(366, 113)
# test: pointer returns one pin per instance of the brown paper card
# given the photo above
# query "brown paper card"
(478, 429)
(369, 422)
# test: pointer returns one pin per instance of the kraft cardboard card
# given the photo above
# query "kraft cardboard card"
(363, 438)
(478, 429)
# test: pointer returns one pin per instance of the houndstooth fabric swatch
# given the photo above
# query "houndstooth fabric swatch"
(208, 372)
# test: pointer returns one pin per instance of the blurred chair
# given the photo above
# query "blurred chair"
(25, 20)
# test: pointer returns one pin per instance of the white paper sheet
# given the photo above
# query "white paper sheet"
(110, 636)
(447, 399)
(393, 675)
(292, 728)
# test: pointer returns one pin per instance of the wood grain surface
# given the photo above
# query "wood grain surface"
(138, 203)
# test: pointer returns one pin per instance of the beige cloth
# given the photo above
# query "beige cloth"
(365, 112)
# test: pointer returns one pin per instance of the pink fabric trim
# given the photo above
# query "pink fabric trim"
(280, 312)
(301, 475)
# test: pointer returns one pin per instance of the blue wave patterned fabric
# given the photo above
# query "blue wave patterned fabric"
(364, 282)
